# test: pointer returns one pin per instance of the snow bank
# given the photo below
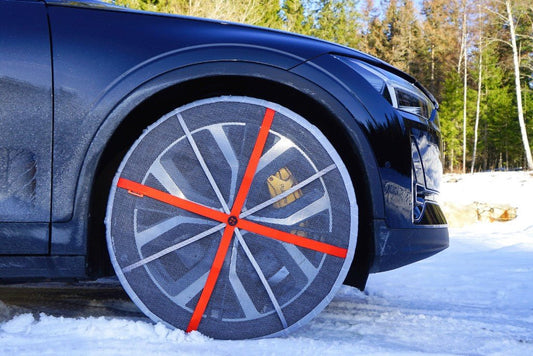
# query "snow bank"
(501, 188)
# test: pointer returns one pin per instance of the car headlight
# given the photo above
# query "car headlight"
(399, 92)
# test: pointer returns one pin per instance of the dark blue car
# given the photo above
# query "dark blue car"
(234, 177)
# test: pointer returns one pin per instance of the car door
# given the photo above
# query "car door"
(25, 127)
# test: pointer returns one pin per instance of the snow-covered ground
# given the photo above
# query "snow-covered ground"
(474, 298)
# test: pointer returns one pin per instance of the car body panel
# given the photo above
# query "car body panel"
(107, 61)
(103, 45)
(26, 127)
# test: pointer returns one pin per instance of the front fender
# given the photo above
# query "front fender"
(75, 119)
(63, 233)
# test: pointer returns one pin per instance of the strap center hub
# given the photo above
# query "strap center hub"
(232, 220)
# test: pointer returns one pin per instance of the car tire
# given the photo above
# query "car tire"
(233, 216)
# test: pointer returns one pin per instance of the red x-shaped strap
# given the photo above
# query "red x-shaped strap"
(232, 220)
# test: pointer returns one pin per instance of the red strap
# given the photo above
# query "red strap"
(252, 164)
(212, 278)
(235, 211)
(293, 239)
(141, 189)
(138, 188)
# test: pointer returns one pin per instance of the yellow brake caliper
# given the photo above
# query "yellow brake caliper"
(280, 182)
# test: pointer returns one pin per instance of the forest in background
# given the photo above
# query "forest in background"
(475, 56)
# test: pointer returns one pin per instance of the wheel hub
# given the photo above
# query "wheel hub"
(232, 220)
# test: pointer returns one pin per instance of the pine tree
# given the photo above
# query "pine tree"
(337, 21)
(441, 29)
(294, 17)
(372, 32)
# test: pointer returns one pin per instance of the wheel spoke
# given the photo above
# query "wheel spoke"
(245, 301)
(303, 214)
(201, 160)
(191, 290)
(225, 147)
(262, 278)
(287, 192)
(279, 148)
(301, 261)
(173, 248)
(161, 174)
(153, 232)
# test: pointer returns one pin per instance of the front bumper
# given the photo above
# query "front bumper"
(420, 230)
(399, 247)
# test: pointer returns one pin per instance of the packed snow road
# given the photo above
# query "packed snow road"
(474, 298)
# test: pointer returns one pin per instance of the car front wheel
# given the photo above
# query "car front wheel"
(233, 216)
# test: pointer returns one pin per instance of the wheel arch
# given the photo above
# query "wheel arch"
(173, 89)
